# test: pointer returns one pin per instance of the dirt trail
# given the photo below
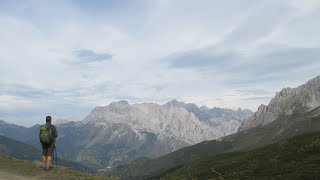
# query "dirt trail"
(8, 175)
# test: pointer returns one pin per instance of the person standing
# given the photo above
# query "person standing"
(48, 134)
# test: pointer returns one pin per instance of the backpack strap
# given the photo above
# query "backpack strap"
(53, 139)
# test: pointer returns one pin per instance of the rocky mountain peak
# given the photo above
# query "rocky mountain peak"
(204, 108)
(186, 122)
(3, 122)
(303, 98)
(314, 81)
(120, 104)
(174, 103)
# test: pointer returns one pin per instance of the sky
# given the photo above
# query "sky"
(65, 57)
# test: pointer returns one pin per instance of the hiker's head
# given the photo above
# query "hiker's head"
(48, 119)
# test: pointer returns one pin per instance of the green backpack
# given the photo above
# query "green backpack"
(45, 134)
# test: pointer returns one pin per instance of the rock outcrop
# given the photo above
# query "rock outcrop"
(303, 98)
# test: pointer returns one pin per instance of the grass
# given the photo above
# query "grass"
(296, 158)
(32, 170)
(19, 150)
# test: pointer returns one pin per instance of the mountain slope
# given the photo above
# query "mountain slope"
(20, 133)
(13, 148)
(303, 98)
(295, 158)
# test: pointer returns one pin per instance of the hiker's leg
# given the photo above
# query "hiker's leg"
(44, 159)
(49, 155)
(49, 161)
(44, 155)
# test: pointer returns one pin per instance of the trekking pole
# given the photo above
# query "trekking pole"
(53, 155)
(55, 149)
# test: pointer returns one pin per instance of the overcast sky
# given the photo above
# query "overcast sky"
(65, 57)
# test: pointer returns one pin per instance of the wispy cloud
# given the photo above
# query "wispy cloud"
(258, 98)
(21, 90)
(206, 59)
(244, 68)
(89, 56)
(254, 92)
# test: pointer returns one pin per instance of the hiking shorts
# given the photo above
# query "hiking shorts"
(47, 150)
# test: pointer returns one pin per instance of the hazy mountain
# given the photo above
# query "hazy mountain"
(13, 148)
(224, 121)
(61, 121)
(20, 133)
(121, 132)
(303, 98)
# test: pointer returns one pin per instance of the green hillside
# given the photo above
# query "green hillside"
(283, 128)
(19, 169)
(19, 150)
(296, 158)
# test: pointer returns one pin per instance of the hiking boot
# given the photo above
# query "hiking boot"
(43, 166)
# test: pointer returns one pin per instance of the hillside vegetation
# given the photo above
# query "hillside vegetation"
(19, 150)
(19, 169)
(296, 158)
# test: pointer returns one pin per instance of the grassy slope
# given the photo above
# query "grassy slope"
(296, 158)
(13, 148)
(19, 150)
(283, 128)
(31, 170)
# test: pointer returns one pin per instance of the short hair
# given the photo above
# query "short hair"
(48, 119)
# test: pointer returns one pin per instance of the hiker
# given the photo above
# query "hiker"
(47, 135)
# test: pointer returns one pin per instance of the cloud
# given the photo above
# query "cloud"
(259, 23)
(89, 56)
(206, 59)
(243, 67)
(22, 90)
(258, 98)
(254, 92)
(92, 53)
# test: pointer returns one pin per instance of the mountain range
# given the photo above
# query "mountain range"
(302, 119)
(120, 132)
